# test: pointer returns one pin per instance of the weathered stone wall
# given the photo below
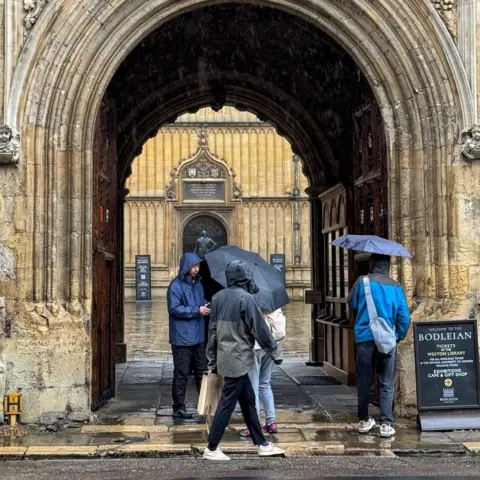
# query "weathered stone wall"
(57, 75)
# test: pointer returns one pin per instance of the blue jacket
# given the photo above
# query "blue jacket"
(390, 303)
(185, 296)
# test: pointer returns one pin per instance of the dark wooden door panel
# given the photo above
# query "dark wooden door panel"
(358, 208)
(104, 260)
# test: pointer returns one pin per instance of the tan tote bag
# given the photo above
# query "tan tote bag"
(210, 393)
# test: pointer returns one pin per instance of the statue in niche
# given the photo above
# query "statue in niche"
(204, 245)
(9, 145)
(471, 143)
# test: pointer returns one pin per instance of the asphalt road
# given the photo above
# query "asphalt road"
(439, 468)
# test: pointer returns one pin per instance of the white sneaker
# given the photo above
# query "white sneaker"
(387, 431)
(216, 455)
(366, 426)
(270, 450)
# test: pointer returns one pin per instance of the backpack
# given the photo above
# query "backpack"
(278, 324)
(383, 334)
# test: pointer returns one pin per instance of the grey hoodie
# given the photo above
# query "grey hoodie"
(235, 323)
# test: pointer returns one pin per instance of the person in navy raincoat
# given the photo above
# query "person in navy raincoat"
(187, 309)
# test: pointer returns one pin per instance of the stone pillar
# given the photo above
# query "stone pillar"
(2, 359)
(317, 339)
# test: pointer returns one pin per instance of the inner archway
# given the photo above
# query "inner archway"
(372, 43)
(213, 228)
(328, 113)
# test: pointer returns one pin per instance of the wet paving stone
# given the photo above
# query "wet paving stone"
(117, 438)
(464, 436)
(34, 439)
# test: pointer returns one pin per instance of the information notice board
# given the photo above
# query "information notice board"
(446, 362)
(143, 277)
(277, 260)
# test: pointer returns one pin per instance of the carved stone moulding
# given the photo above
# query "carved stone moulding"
(448, 11)
(470, 143)
(9, 145)
(33, 9)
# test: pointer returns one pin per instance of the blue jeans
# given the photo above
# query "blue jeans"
(386, 369)
(260, 376)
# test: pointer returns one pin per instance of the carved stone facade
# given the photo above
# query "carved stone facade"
(471, 143)
(9, 146)
(448, 11)
(300, 71)
(33, 9)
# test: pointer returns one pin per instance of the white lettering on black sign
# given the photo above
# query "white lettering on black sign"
(446, 360)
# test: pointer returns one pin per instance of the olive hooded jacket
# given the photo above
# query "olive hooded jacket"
(235, 323)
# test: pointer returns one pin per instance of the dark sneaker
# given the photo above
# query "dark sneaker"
(244, 432)
(181, 413)
(271, 428)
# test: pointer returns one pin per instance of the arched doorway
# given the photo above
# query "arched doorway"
(213, 227)
(285, 80)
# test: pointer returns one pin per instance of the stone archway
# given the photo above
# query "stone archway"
(208, 223)
(61, 77)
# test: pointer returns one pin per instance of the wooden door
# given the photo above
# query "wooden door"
(358, 208)
(338, 355)
(104, 256)
(370, 216)
(370, 187)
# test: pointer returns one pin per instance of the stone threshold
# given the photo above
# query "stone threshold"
(300, 449)
(240, 448)
(201, 427)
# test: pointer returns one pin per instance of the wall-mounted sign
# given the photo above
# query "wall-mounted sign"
(143, 277)
(277, 260)
(446, 362)
(204, 191)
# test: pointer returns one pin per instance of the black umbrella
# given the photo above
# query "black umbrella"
(269, 280)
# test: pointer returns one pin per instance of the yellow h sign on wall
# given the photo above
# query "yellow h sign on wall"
(13, 406)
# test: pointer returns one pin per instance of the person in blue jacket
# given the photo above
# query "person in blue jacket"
(391, 304)
(187, 309)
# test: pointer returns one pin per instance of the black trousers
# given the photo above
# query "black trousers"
(185, 357)
(236, 389)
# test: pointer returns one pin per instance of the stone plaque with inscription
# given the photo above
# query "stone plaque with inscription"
(204, 191)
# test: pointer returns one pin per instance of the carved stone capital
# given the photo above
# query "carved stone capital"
(470, 141)
(9, 145)
(33, 9)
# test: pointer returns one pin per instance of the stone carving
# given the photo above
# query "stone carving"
(237, 189)
(471, 143)
(9, 146)
(171, 191)
(202, 138)
(204, 168)
(34, 8)
(448, 11)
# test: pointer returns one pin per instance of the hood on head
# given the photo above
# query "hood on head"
(187, 262)
(240, 273)
(379, 264)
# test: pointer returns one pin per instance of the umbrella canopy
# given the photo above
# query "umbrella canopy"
(272, 294)
(372, 244)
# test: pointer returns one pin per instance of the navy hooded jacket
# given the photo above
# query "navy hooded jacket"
(185, 296)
